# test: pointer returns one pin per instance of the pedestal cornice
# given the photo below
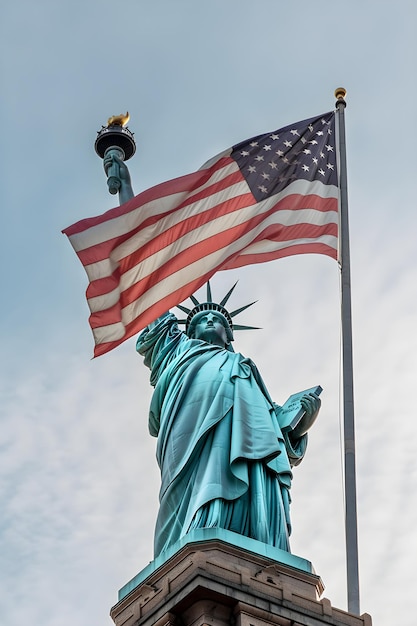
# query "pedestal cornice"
(213, 582)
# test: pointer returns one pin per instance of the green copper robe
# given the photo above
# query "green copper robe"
(223, 458)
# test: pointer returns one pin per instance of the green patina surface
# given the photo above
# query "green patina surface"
(225, 461)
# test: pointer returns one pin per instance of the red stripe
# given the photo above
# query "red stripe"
(263, 257)
(279, 233)
(102, 286)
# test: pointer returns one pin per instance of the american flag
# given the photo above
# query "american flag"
(271, 196)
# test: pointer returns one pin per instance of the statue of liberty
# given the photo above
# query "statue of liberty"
(225, 461)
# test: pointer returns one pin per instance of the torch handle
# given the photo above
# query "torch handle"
(113, 173)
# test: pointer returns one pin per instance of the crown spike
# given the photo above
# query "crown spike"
(229, 293)
(242, 327)
(183, 308)
(209, 296)
(194, 299)
(242, 308)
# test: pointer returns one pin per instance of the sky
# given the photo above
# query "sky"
(78, 476)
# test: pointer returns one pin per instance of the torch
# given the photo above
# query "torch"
(115, 139)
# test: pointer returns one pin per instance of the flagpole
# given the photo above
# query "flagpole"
(351, 533)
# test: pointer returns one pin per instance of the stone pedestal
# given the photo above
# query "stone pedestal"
(217, 583)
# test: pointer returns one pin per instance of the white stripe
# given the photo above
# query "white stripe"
(105, 301)
(127, 222)
(111, 332)
(101, 269)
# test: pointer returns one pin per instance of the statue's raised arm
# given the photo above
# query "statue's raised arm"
(121, 172)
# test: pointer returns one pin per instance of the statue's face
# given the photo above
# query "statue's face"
(209, 327)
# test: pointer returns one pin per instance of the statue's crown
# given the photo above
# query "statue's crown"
(209, 305)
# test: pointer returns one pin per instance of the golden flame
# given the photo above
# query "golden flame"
(118, 120)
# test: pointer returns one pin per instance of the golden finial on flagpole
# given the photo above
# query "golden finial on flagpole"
(340, 94)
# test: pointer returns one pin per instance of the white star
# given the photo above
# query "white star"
(262, 188)
(288, 144)
(259, 158)
(319, 133)
(279, 153)
(311, 128)
(251, 169)
(307, 151)
(322, 172)
(330, 166)
(286, 160)
(329, 131)
(267, 147)
(244, 153)
(306, 168)
(254, 144)
(313, 143)
(303, 140)
(329, 148)
(273, 165)
(315, 160)
(266, 176)
(274, 137)
(295, 132)
(322, 155)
